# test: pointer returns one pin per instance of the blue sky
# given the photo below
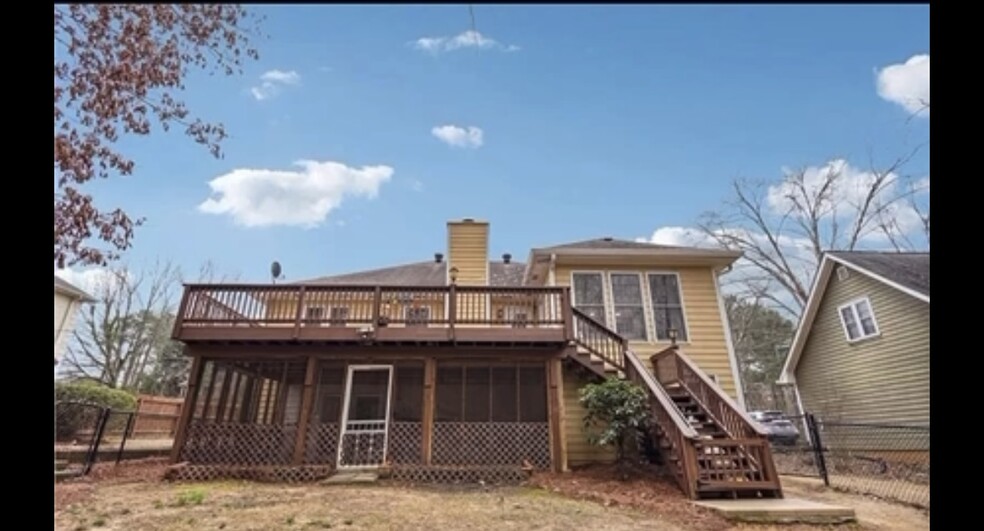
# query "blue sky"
(594, 121)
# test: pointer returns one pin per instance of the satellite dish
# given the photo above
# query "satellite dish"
(275, 270)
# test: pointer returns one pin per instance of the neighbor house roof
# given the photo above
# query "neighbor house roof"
(428, 273)
(67, 288)
(905, 272)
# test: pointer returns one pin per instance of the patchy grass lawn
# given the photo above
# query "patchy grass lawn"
(133, 497)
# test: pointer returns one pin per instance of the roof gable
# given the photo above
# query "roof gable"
(911, 279)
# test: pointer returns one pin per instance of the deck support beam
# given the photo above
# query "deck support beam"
(187, 408)
(307, 400)
(430, 389)
(555, 407)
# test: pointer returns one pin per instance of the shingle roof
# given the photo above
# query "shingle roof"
(910, 270)
(423, 274)
(609, 243)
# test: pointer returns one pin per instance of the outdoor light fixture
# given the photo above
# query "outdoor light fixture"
(453, 273)
(673, 335)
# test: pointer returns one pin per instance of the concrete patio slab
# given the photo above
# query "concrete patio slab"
(348, 478)
(785, 510)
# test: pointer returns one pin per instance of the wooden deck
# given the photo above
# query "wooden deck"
(368, 315)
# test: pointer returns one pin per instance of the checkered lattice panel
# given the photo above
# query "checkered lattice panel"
(238, 444)
(492, 444)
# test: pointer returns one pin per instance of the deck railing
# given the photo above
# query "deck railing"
(301, 306)
(599, 340)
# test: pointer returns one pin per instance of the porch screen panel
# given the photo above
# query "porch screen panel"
(406, 429)
(504, 394)
(323, 428)
(408, 395)
(491, 415)
(477, 397)
(449, 396)
(532, 394)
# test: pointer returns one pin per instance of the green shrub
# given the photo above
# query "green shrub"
(616, 409)
(71, 417)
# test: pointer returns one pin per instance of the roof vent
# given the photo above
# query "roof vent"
(608, 238)
(506, 258)
(438, 258)
(468, 220)
(843, 273)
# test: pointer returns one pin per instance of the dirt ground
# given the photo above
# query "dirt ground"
(133, 497)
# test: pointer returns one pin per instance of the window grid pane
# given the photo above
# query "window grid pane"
(589, 296)
(630, 317)
(850, 324)
(667, 306)
(865, 317)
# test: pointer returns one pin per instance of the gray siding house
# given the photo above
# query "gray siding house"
(861, 351)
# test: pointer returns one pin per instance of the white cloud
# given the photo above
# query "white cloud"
(258, 198)
(679, 236)
(272, 82)
(453, 135)
(907, 84)
(467, 39)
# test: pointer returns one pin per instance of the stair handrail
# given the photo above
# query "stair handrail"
(684, 362)
(583, 323)
(660, 395)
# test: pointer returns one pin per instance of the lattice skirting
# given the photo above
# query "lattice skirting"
(432, 474)
(238, 444)
(322, 444)
(269, 474)
(502, 444)
(405, 441)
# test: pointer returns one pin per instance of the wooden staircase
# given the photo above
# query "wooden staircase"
(710, 445)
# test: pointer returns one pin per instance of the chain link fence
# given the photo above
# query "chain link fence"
(888, 461)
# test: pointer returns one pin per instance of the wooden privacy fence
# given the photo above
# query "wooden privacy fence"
(157, 417)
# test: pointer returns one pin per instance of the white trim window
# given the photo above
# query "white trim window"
(630, 312)
(314, 314)
(858, 320)
(338, 315)
(664, 288)
(589, 295)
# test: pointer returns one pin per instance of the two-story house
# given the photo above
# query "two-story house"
(464, 367)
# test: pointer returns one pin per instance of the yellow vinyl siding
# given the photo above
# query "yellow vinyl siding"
(706, 344)
(468, 250)
(579, 450)
(883, 379)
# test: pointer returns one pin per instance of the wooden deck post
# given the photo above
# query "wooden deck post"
(187, 408)
(430, 388)
(555, 404)
(307, 400)
(567, 312)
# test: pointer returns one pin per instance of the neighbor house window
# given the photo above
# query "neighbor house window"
(858, 320)
(589, 296)
(664, 288)
(630, 315)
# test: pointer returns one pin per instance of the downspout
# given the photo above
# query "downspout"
(551, 277)
(732, 356)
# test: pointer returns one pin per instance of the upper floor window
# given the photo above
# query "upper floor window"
(630, 314)
(338, 315)
(314, 313)
(589, 295)
(858, 320)
(664, 289)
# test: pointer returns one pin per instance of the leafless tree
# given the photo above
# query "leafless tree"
(117, 68)
(784, 228)
(119, 334)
